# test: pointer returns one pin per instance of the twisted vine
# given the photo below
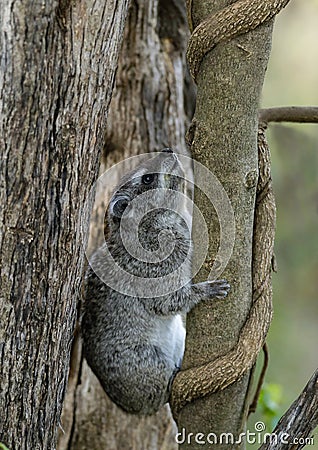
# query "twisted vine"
(238, 18)
(197, 382)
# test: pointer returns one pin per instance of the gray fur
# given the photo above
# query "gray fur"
(135, 344)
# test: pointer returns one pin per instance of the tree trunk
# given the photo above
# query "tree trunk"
(57, 72)
(225, 141)
(147, 113)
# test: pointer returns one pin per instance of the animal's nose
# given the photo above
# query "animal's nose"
(167, 150)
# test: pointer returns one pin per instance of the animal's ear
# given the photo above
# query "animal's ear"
(118, 204)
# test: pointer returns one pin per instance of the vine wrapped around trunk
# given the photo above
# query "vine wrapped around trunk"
(223, 339)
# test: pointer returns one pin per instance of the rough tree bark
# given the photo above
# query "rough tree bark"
(58, 61)
(295, 428)
(147, 113)
(224, 139)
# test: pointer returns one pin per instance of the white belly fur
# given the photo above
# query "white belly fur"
(169, 335)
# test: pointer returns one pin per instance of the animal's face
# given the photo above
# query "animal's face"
(149, 186)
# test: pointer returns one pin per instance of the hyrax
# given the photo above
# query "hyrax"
(132, 329)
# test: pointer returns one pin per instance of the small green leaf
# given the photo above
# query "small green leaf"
(270, 402)
(3, 447)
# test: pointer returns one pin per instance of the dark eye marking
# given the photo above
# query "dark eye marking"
(148, 178)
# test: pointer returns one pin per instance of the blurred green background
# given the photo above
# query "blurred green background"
(292, 79)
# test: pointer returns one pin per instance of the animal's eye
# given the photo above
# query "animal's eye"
(148, 178)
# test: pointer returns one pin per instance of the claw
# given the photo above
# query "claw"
(221, 288)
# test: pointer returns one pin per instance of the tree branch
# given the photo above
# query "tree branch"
(253, 405)
(299, 421)
(302, 114)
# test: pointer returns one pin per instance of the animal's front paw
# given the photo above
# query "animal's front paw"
(218, 288)
(211, 289)
(221, 288)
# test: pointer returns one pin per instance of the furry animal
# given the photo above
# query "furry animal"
(133, 333)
